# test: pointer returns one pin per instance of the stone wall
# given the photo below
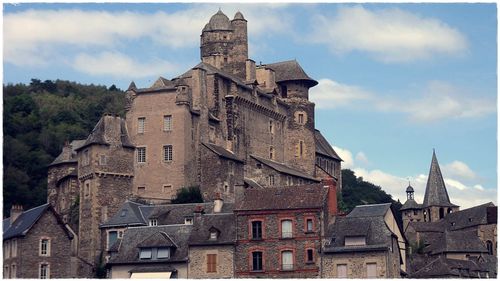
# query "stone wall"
(198, 261)
(356, 264)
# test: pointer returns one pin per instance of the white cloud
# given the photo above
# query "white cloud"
(389, 35)
(361, 158)
(345, 155)
(478, 187)
(454, 183)
(33, 37)
(459, 169)
(119, 65)
(331, 94)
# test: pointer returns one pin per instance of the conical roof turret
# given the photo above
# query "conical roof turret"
(435, 191)
(219, 21)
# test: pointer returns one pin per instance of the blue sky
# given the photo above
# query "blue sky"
(396, 80)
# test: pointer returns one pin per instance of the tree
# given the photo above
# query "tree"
(190, 194)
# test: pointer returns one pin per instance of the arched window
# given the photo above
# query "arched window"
(489, 245)
(441, 213)
(450, 210)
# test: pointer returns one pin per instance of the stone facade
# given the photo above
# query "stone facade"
(198, 261)
(356, 265)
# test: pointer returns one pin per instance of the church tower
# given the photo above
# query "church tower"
(411, 210)
(105, 172)
(436, 200)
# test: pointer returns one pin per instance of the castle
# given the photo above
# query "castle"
(245, 135)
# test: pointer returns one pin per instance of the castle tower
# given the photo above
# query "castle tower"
(411, 210)
(293, 84)
(436, 200)
(105, 172)
(224, 43)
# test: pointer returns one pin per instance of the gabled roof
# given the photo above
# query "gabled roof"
(251, 183)
(162, 83)
(157, 239)
(435, 191)
(372, 210)
(68, 153)
(283, 198)
(444, 267)
(291, 71)
(213, 70)
(22, 225)
(323, 147)
(282, 168)
(224, 223)
(452, 242)
(222, 152)
(130, 214)
(133, 236)
(478, 215)
(99, 136)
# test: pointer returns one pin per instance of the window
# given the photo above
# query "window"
(284, 92)
(371, 270)
(489, 245)
(87, 189)
(341, 270)
(257, 230)
(301, 118)
(141, 190)
(271, 153)
(257, 261)
(112, 237)
(123, 213)
(141, 155)
(167, 123)
(355, 240)
(141, 125)
(211, 134)
(286, 229)
(163, 253)
(44, 247)
(6, 272)
(287, 260)
(231, 168)
(153, 222)
(86, 158)
(188, 221)
(167, 189)
(145, 253)
(44, 271)
(211, 263)
(310, 255)
(13, 271)
(120, 234)
(301, 148)
(271, 127)
(102, 160)
(271, 179)
(167, 153)
(289, 180)
(6, 253)
(213, 235)
(309, 225)
(14, 248)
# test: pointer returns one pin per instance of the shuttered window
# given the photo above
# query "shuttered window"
(341, 270)
(211, 263)
(371, 270)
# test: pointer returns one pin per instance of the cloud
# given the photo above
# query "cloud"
(345, 155)
(459, 169)
(361, 158)
(35, 37)
(464, 195)
(331, 94)
(388, 35)
(119, 65)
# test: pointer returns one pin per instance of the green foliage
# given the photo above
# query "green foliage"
(190, 194)
(100, 271)
(417, 247)
(356, 191)
(38, 119)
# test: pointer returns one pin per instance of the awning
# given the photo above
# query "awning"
(151, 275)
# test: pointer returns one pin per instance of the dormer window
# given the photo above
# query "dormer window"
(145, 253)
(355, 240)
(188, 221)
(163, 253)
(154, 253)
(213, 235)
(153, 222)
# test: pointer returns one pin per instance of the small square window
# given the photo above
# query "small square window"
(188, 221)
(141, 190)
(153, 222)
(213, 235)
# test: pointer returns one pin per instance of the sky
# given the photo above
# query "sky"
(395, 80)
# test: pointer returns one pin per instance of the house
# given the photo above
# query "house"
(367, 243)
(38, 244)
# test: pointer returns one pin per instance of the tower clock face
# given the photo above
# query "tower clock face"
(300, 117)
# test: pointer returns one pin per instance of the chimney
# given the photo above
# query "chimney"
(332, 196)
(15, 211)
(218, 203)
(250, 70)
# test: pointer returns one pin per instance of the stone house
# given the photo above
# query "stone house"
(367, 243)
(278, 231)
(38, 244)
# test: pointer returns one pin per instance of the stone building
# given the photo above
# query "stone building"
(278, 233)
(367, 243)
(38, 244)
(219, 123)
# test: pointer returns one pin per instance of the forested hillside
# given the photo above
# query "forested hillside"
(38, 118)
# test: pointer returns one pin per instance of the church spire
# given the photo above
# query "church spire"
(435, 191)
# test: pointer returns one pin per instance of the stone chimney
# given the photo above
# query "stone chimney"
(250, 70)
(15, 211)
(332, 196)
(218, 203)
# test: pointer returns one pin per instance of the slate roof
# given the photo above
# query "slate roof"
(282, 168)
(97, 136)
(410, 204)
(222, 152)
(161, 83)
(421, 226)
(212, 70)
(291, 71)
(130, 214)
(283, 198)
(453, 241)
(68, 153)
(133, 236)
(444, 267)
(27, 219)
(362, 223)
(373, 210)
(435, 191)
(470, 217)
(323, 147)
(224, 224)
(157, 239)
(251, 183)
(153, 268)
(219, 21)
